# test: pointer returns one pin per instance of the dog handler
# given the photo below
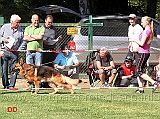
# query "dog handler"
(11, 37)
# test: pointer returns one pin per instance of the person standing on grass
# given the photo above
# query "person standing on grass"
(144, 42)
(11, 38)
(50, 35)
(33, 34)
(134, 31)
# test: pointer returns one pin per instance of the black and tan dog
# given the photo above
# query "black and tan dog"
(44, 73)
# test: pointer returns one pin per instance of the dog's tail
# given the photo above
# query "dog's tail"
(72, 81)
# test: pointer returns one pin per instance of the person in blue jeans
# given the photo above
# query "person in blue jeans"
(33, 35)
(67, 62)
(11, 38)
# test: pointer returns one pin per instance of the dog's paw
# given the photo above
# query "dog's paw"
(72, 92)
(55, 92)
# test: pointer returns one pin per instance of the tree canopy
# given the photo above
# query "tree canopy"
(25, 8)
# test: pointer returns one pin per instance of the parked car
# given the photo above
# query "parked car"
(112, 35)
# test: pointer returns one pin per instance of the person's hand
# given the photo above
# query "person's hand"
(46, 42)
(129, 46)
(105, 68)
(71, 67)
(130, 76)
(63, 67)
(5, 40)
(1, 53)
(131, 40)
(59, 38)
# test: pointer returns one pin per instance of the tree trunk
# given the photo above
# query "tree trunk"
(84, 7)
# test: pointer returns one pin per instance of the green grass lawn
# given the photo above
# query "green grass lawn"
(84, 104)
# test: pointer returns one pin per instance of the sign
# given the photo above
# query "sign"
(12, 109)
(72, 30)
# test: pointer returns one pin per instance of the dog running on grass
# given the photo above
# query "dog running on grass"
(37, 74)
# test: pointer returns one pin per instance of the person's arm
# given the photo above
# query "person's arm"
(40, 35)
(75, 61)
(31, 37)
(23, 45)
(126, 77)
(37, 37)
(112, 65)
(122, 75)
(57, 62)
(158, 36)
(142, 42)
(28, 37)
(74, 65)
(2, 38)
(58, 66)
(1, 53)
(98, 64)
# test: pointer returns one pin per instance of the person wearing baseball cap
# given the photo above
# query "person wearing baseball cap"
(126, 74)
(134, 31)
(132, 16)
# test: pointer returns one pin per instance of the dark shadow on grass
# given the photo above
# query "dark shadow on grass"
(156, 92)
(61, 92)
(13, 92)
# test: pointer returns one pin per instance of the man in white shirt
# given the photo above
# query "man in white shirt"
(134, 31)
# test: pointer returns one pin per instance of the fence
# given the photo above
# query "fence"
(111, 33)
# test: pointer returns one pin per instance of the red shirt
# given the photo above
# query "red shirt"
(128, 71)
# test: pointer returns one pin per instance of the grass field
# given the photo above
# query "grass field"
(84, 104)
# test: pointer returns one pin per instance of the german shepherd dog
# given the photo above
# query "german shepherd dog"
(37, 74)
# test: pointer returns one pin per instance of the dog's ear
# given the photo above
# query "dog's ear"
(21, 61)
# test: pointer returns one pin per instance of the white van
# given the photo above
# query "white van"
(112, 35)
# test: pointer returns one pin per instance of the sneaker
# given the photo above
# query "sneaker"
(109, 85)
(155, 85)
(139, 91)
(103, 86)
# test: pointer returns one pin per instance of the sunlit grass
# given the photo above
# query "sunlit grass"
(84, 104)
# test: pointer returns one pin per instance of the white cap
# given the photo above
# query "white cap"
(132, 16)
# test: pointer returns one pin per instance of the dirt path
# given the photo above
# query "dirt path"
(21, 83)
